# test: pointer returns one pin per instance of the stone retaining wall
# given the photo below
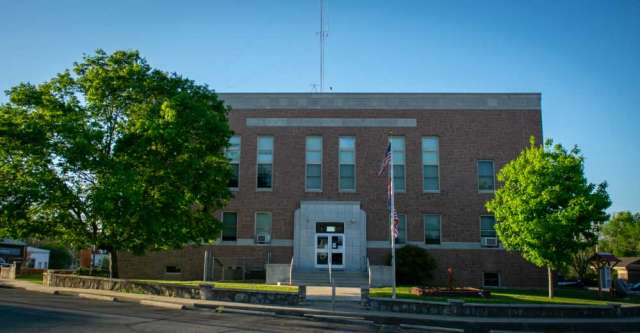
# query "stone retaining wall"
(246, 296)
(53, 279)
(459, 308)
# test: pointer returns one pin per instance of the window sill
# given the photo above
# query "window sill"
(264, 189)
(431, 192)
(313, 191)
(486, 191)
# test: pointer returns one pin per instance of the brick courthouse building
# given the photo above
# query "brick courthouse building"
(307, 188)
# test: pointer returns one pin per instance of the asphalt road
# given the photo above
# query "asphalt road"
(25, 311)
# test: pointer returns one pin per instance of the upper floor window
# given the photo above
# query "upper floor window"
(263, 227)
(488, 235)
(432, 229)
(402, 229)
(347, 161)
(265, 162)
(430, 164)
(398, 154)
(486, 176)
(313, 159)
(233, 154)
(229, 226)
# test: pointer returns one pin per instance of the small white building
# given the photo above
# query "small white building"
(38, 258)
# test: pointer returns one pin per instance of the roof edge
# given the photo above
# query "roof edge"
(385, 101)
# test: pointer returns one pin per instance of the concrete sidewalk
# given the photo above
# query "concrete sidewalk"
(350, 310)
(342, 294)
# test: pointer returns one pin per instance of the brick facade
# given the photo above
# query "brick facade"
(466, 135)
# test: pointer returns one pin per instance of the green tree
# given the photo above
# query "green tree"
(59, 256)
(546, 210)
(114, 154)
(580, 265)
(621, 235)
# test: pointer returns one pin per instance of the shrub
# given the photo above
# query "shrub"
(95, 272)
(414, 265)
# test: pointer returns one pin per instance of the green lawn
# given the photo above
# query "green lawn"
(231, 285)
(563, 296)
(33, 278)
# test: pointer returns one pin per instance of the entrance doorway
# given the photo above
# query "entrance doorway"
(329, 243)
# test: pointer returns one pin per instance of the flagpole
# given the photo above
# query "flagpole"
(391, 225)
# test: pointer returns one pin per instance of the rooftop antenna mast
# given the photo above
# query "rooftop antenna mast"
(323, 37)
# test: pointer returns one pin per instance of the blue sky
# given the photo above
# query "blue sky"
(583, 56)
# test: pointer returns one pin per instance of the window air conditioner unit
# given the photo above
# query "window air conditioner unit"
(490, 241)
(263, 238)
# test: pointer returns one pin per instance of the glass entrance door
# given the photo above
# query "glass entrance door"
(329, 246)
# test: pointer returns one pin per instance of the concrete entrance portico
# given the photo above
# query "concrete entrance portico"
(330, 230)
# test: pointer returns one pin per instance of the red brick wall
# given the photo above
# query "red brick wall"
(464, 138)
(469, 265)
(190, 260)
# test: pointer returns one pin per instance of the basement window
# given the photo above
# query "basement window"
(172, 269)
(491, 279)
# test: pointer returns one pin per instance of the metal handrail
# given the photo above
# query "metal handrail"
(291, 272)
(369, 270)
(330, 272)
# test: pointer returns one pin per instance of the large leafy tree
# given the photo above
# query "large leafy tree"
(546, 209)
(113, 154)
(621, 234)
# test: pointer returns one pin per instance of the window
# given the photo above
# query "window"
(263, 228)
(402, 229)
(233, 154)
(491, 279)
(397, 149)
(172, 270)
(265, 162)
(347, 160)
(430, 164)
(229, 226)
(486, 176)
(487, 226)
(313, 158)
(432, 229)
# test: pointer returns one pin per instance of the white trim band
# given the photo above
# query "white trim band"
(331, 122)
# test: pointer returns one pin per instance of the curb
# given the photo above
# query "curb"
(340, 319)
(44, 291)
(435, 328)
(166, 305)
(223, 309)
(98, 297)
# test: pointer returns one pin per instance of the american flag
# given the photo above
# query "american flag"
(390, 194)
(392, 209)
(385, 161)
